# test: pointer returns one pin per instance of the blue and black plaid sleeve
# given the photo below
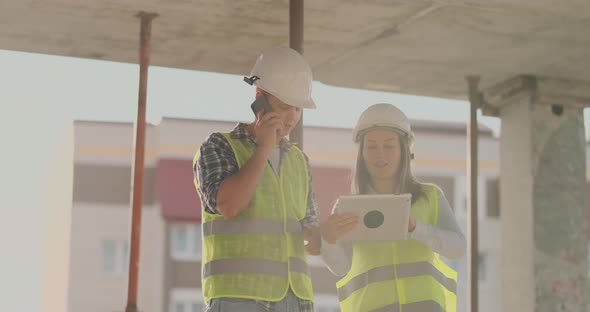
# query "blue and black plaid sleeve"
(215, 163)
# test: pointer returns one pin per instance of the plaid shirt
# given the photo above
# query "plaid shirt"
(217, 161)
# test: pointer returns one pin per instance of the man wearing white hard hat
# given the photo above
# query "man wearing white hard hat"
(258, 204)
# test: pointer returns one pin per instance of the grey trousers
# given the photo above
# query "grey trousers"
(289, 304)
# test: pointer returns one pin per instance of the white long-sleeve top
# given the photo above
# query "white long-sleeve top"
(446, 239)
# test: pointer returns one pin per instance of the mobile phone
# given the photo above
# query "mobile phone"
(260, 103)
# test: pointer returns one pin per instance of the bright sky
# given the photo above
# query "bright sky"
(98, 90)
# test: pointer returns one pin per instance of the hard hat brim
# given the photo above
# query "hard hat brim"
(308, 104)
(358, 133)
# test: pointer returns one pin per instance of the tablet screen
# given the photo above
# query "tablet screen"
(382, 217)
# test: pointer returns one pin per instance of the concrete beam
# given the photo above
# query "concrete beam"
(546, 91)
(563, 91)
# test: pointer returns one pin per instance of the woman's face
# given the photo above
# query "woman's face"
(381, 153)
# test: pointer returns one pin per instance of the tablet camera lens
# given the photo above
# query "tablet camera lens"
(373, 219)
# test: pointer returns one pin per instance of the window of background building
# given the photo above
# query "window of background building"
(465, 205)
(482, 267)
(186, 300)
(493, 198)
(115, 256)
(185, 241)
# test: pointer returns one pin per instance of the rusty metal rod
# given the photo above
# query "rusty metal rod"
(139, 159)
(296, 43)
(472, 173)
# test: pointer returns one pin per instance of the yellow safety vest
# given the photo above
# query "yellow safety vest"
(404, 276)
(260, 252)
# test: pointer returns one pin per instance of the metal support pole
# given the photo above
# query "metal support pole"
(139, 155)
(296, 43)
(472, 164)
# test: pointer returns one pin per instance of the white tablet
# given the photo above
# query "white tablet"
(382, 217)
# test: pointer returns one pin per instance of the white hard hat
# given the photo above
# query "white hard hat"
(283, 73)
(383, 115)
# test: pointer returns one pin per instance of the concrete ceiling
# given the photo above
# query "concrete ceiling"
(419, 47)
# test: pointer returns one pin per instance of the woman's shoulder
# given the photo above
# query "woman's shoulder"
(430, 189)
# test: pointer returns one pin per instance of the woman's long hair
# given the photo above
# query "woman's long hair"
(406, 182)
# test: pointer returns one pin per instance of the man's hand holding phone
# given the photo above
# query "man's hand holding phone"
(267, 125)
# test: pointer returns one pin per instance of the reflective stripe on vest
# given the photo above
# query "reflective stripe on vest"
(386, 273)
(258, 266)
(249, 226)
(430, 306)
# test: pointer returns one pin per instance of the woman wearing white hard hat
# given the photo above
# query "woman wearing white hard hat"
(403, 275)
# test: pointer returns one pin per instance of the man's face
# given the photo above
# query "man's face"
(289, 115)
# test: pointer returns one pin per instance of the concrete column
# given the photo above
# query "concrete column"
(543, 193)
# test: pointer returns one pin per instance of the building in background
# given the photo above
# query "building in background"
(170, 257)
